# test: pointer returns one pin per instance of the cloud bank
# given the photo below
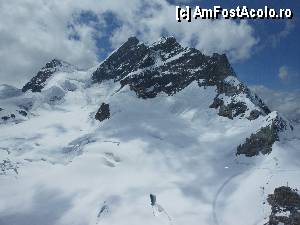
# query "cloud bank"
(80, 32)
(287, 103)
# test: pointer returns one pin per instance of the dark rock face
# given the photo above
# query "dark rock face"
(12, 115)
(280, 124)
(232, 109)
(262, 141)
(8, 117)
(103, 112)
(37, 83)
(162, 67)
(237, 108)
(254, 114)
(217, 103)
(284, 201)
(7, 165)
(153, 199)
(167, 67)
(5, 118)
(22, 112)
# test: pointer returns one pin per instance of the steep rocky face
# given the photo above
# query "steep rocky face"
(285, 203)
(175, 147)
(16, 105)
(164, 66)
(260, 142)
(38, 82)
(103, 112)
(263, 140)
(231, 110)
(167, 67)
(236, 107)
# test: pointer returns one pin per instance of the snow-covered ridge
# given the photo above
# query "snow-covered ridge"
(166, 66)
(164, 120)
(49, 86)
(8, 91)
(38, 82)
(165, 60)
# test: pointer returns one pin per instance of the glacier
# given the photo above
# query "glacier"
(61, 166)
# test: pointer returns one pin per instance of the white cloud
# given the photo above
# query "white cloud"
(226, 36)
(283, 73)
(35, 31)
(288, 74)
(289, 25)
(288, 103)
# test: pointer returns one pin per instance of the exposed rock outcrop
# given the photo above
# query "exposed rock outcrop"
(7, 165)
(38, 82)
(260, 142)
(22, 112)
(166, 66)
(264, 138)
(285, 203)
(103, 112)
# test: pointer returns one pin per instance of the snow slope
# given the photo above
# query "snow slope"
(60, 166)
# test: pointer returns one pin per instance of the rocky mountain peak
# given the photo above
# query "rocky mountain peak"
(53, 64)
(164, 66)
(285, 206)
(167, 67)
(165, 43)
(38, 82)
(132, 41)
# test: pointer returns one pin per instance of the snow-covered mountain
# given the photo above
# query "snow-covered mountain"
(156, 134)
